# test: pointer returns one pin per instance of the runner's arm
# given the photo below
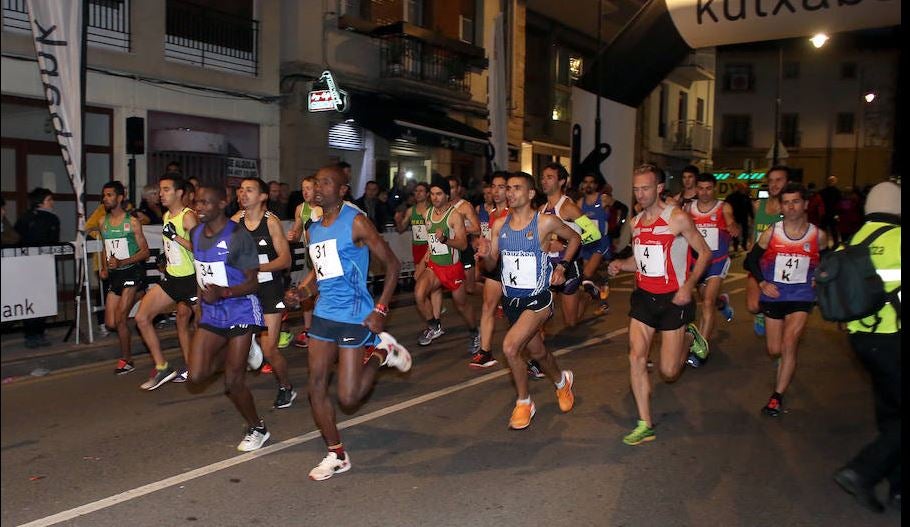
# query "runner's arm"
(467, 212)
(734, 228)
(280, 241)
(459, 235)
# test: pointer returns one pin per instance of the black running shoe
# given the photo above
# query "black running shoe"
(482, 359)
(534, 370)
(285, 397)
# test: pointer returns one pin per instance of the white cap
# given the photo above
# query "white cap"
(884, 198)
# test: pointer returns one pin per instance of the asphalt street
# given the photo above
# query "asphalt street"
(431, 447)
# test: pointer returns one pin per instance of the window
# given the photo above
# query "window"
(791, 69)
(413, 12)
(466, 30)
(662, 112)
(700, 110)
(346, 136)
(682, 109)
(844, 123)
(848, 70)
(789, 129)
(568, 67)
(737, 131)
(575, 68)
(739, 78)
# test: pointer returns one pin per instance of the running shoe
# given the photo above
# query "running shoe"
(699, 344)
(285, 397)
(482, 359)
(475, 343)
(254, 438)
(329, 466)
(534, 370)
(254, 359)
(397, 356)
(158, 378)
(302, 340)
(693, 361)
(773, 408)
(726, 309)
(181, 376)
(565, 395)
(758, 324)
(284, 339)
(499, 312)
(591, 288)
(641, 434)
(430, 334)
(521, 415)
(124, 367)
(266, 369)
(603, 308)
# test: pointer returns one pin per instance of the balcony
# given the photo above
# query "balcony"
(108, 22)
(689, 139)
(407, 58)
(698, 66)
(202, 37)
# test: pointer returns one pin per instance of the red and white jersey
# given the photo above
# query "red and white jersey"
(660, 255)
(713, 226)
(495, 214)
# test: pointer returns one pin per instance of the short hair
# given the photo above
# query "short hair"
(496, 174)
(273, 182)
(561, 173)
(706, 177)
(37, 196)
(179, 183)
(217, 189)
(442, 184)
(658, 172)
(456, 179)
(343, 165)
(116, 185)
(370, 182)
(795, 188)
(692, 169)
(529, 179)
(149, 189)
(423, 184)
(783, 168)
(263, 187)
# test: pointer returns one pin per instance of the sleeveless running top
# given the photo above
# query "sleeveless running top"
(212, 268)
(484, 216)
(713, 226)
(119, 241)
(341, 269)
(264, 246)
(418, 227)
(494, 217)
(440, 253)
(525, 267)
(660, 255)
(597, 213)
(555, 211)
(763, 219)
(790, 264)
(179, 259)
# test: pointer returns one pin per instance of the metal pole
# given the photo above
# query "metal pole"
(597, 75)
(856, 126)
(775, 156)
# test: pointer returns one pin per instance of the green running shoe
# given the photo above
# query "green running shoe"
(284, 339)
(641, 434)
(699, 344)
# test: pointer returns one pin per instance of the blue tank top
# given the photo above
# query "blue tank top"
(212, 267)
(341, 269)
(597, 213)
(525, 267)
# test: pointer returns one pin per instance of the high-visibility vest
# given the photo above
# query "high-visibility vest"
(886, 257)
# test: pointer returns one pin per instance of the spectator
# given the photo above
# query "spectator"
(831, 196)
(816, 209)
(619, 212)
(743, 213)
(38, 226)
(284, 197)
(274, 202)
(149, 211)
(233, 198)
(8, 235)
(849, 213)
(172, 168)
(375, 209)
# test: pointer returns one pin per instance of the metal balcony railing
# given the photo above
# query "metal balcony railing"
(689, 136)
(207, 38)
(108, 21)
(410, 58)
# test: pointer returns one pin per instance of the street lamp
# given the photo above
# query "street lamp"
(868, 98)
(819, 40)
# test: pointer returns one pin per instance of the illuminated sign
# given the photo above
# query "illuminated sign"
(739, 175)
(332, 98)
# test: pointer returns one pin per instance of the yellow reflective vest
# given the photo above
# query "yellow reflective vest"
(886, 257)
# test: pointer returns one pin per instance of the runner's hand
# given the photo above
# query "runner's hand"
(374, 322)
(769, 289)
(614, 268)
(212, 293)
(682, 297)
(483, 248)
(558, 276)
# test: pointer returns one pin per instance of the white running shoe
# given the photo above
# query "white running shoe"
(253, 439)
(330, 466)
(254, 359)
(398, 356)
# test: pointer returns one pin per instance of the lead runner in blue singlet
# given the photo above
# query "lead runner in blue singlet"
(226, 266)
(346, 320)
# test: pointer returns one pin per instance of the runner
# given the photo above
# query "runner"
(688, 193)
(226, 268)
(714, 221)
(520, 240)
(767, 213)
(472, 228)
(346, 319)
(596, 206)
(783, 261)
(306, 213)
(274, 259)
(662, 235)
(492, 288)
(126, 250)
(447, 238)
(415, 219)
(178, 283)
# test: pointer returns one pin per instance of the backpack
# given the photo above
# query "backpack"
(846, 283)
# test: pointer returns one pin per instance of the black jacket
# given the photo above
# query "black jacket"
(38, 227)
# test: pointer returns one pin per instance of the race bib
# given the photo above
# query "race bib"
(485, 230)
(325, 259)
(264, 277)
(436, 247)
(117, 247)
(650, 260)
(419, 232)
(519, 270)
(173, 252)
(211, 273)
(791, 269)
(712, 236)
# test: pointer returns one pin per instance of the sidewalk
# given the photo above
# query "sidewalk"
(17, 361)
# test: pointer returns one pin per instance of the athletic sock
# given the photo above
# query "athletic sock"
(339, 450)
(524, 401)
(562, 381)
(162, 367)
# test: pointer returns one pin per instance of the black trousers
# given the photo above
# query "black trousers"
(881, 355)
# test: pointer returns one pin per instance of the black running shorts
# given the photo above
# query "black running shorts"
(659, 312)
(780, 310)
(515, 306)
(120, 279)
